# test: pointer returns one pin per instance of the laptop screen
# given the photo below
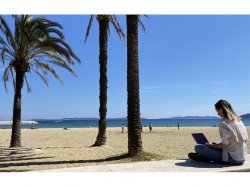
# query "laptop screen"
(200, 138)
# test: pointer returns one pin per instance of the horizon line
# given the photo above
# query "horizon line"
(122, 117)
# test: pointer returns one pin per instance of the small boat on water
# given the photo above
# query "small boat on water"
(29, 122)
(58, 121)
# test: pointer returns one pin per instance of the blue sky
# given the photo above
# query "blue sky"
(187, 63)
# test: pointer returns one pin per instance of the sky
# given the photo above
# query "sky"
(187, 63)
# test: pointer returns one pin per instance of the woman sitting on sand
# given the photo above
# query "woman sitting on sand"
(232, 148)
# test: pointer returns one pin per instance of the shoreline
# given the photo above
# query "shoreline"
(114, 128)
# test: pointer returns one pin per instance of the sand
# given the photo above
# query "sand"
(58, 148)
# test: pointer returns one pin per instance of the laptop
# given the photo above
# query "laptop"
(200, 138)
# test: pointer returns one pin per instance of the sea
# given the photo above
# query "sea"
(170, 122)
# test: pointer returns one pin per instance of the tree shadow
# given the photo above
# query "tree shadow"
(119, 157)
(94, 145)
(51, 147)
(199, 164)
(25, 157)
(13, 170)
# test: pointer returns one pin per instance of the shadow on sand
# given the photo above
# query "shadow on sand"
(5, 165)
(19, 158)
(13, 170)
(199, 164)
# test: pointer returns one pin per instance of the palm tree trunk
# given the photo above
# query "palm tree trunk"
(103, 40)
(16, 127)
(134, 125)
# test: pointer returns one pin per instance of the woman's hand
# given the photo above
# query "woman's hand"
(209, 145)
(216, 145)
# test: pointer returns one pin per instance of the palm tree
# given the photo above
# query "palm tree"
(35, 43)
(133, 100)
(103, 21)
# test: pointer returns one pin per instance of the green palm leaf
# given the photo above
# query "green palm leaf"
(35, 45)
(35, 39)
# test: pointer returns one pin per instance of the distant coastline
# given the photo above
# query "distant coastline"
(244, 116)
(124, 118)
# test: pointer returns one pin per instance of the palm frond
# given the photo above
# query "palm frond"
(35, 43)
(42, 77)
(50, 69)
(6, 47)
(17, 29)
(8, 70)
(49, 45)
(13, 78)
(55, 31)
(141, 24)
(27, 84)
(6, 78)
(46, 27)
(58, 46)
(6, 30)
(109, 18)
(57, 60)
(63, 65)
(88, 28)
(70, 51)
(117, 27)
(5, 55)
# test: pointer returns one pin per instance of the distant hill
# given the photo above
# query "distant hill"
(245, 116)
(121, 118)
(79, 118)
(124, 118)
(91, 118)
(61, 119)
(195, 117)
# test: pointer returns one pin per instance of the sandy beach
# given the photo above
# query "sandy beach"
(58, 148)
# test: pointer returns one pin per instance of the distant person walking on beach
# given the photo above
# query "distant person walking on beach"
(232, 149)
(178, 125)
(150, 127)
(123, 128)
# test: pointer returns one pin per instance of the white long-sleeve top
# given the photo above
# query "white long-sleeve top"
(233, 134)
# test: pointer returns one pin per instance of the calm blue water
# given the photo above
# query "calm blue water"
(118, 123)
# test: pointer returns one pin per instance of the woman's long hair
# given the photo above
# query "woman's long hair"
(227, 109)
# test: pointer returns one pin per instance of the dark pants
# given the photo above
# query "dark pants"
(215, 155)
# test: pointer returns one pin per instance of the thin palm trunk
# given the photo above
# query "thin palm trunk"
(103, 40)
(16, 127)
(134, 125)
